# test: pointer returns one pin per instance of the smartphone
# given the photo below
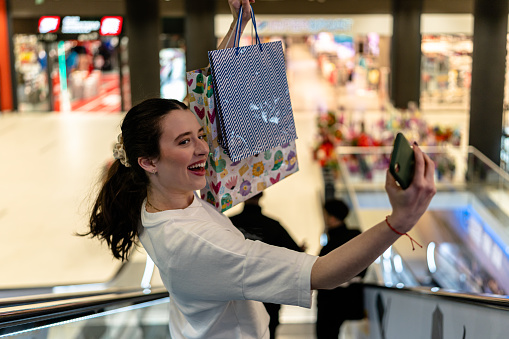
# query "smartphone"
(402, 161)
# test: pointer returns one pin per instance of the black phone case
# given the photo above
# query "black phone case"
(402, 161)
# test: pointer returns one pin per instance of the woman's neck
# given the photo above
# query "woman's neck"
(157, 201)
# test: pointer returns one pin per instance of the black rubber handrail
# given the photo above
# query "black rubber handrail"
(46, 297)
(484, 300)
(19, 316)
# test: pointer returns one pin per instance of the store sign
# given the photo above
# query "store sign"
(304, 26)
(49, 24)
(74, 25)
(111, 25)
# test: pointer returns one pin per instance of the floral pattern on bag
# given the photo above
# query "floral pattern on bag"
(230, 183)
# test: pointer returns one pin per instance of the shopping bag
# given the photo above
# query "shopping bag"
(232, 182)
(252, 97)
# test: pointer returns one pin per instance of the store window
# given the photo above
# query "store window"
(446, 71)
(357, 63)
(90, 69)
(69, 64)
(172, 59)
(31, 65)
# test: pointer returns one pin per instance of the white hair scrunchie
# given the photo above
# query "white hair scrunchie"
(119, 151)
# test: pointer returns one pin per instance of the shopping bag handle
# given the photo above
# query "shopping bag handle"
(236, 42)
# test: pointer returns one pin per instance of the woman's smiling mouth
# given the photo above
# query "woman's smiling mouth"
(198, 168)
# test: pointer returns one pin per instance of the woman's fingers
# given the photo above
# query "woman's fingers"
(408, 205)
(430, 168)
(390, 182)
(246, 8)
(425, 172)
(419, 163)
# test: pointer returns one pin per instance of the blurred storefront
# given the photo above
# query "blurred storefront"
(352, 52)
(69, 64)
(72, 64)
(446, 62)
(446, 70)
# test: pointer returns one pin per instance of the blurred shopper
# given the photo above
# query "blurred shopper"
(256, 226)
(217, 279)
(345, 302)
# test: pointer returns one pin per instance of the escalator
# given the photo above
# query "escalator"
(132, 304)
(465, 230)
(111, 313)
(459, 295)
(457, 285)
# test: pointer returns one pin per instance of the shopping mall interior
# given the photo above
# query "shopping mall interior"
(72, 91)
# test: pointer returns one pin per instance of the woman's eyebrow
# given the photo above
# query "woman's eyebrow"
(188, 133)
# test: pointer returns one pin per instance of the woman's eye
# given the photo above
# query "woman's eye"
(203, 137)
(183, 142)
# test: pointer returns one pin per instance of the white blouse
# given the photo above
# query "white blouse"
(216, 278)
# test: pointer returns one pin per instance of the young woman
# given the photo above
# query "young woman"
(217, 279)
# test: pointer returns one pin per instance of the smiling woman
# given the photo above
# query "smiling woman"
(215, 276)
(180, 167)
(115, 215)
(217, 279)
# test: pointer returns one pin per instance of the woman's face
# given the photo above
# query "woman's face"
(181, 165)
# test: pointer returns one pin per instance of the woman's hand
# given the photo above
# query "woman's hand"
(235, 5)
(246, 9)
(408, 205)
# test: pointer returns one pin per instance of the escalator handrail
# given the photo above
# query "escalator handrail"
(27, 315)
(48, 297)
(485, 300)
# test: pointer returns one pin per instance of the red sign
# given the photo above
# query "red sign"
(111, 25)
(49, 24)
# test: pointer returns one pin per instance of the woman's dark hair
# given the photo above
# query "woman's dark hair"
(115, 216)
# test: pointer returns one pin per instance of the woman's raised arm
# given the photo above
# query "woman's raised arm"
(228, 39)
(408, 205)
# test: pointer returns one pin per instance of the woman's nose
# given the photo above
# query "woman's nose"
(203, 147)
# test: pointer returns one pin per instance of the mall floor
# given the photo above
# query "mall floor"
(52, 162)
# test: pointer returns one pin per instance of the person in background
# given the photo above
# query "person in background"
(344, 302)
(256, 226)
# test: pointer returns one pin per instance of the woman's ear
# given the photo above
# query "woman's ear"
(147, 164)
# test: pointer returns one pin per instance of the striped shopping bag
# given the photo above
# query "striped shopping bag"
(252, 98)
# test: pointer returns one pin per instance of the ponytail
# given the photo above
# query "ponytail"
(115, 216)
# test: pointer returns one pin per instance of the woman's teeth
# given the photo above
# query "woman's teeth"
(197, 166)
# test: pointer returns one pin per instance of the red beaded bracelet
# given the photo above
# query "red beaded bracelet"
(409, 237)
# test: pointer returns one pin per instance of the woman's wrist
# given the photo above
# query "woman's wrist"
(398, 232)
(399, 224)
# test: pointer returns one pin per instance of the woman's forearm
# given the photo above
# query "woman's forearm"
(346, 261)
(229, 39)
